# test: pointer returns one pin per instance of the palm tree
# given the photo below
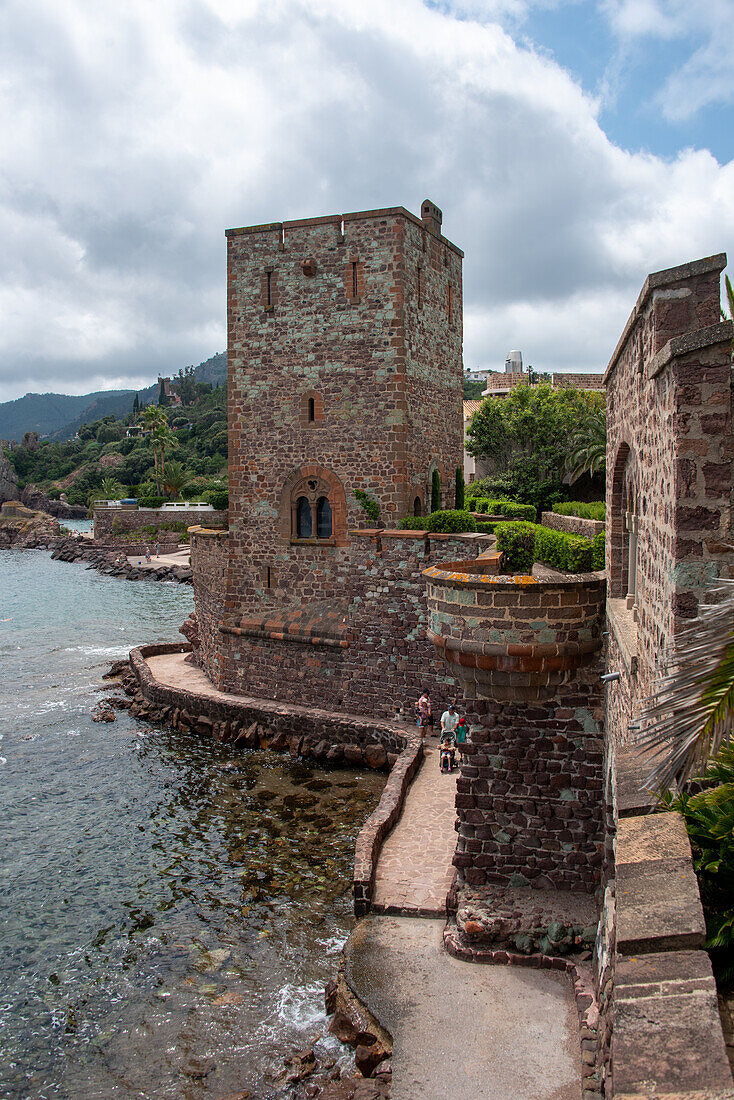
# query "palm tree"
(691, 712)
(588, 447)
(729, 298)
(159, 436)
(175, 478)
(588, 450)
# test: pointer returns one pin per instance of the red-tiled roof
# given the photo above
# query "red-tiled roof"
(470, 407)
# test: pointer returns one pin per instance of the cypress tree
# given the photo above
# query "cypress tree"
(435, 491)
(459, 495)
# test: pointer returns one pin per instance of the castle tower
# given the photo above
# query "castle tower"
(344, 373)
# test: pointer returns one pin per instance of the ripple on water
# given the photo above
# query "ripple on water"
(162, 904)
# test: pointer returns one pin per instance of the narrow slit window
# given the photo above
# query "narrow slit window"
(354, 278)
(311, 410)
(449, 302)
(269, 288)
(269, 579)
(304, 523)
(420, 288)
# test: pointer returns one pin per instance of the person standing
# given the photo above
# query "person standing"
(450, 719)
(423, 710)
(461, 731)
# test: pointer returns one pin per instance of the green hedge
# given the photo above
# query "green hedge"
(524, 543)
(149, 501)
(508, 508)
(484, 527)
(595, 509)
(599, 548)
(517, 542)
(448, 521)
(568, 553)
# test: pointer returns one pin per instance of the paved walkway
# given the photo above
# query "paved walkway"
(414, 869)
(462, 1030)
(178, 557)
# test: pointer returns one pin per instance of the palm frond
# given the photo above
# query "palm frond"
(691, 710)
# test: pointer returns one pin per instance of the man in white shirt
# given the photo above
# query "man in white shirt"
(450, 720)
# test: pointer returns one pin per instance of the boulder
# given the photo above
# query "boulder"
(375, 756)
(353, 755)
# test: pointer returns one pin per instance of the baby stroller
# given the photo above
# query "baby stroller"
(447, 756)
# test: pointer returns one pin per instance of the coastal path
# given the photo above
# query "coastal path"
(414, 870)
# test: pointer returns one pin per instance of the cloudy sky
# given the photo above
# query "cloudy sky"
(574, 146)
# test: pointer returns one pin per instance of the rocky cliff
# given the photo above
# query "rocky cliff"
(22, 529)
(8, 480)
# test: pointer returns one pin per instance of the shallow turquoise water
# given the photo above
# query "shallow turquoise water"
(169, 909)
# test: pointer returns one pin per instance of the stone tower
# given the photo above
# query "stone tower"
(344, 373)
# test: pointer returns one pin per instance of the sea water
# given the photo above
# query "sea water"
(170, 908)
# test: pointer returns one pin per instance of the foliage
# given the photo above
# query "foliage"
(517, 542)
(709, 818)
(111, 489)
(567, 553)
(369, 504)
(729, 298)
(150, 500)
(175, 478)
(218, 498)
(473, 390)
(184, 384)
(588, 450)
(449, 520)
(691, 711)
(435, 491)
(159, 438)
(595, 509)
(485, 528)
(508, 508)
(598, 552)
(414, 523)
(459, 492)
(524, 438)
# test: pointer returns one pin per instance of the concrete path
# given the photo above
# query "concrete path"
(460, 1030)
(179, 557)
(414, 869)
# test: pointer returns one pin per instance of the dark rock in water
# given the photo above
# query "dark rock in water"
(318, 784)
(330, 997)
(349, 783)
(375, 756)
(299, 801)
(343, 1028)
(265, 796)
(303, 1065)
(103, 713)
(368, 1058)
(117, 668)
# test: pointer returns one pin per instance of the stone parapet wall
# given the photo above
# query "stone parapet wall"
(209, 558)
(364, 652)
(114, 521)
(669, 394)
(572, 525)
(530, 795)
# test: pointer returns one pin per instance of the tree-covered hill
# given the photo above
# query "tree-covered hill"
(103, 460)
(59, 416)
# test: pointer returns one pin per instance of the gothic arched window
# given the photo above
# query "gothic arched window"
(323, 518)
(304, 521)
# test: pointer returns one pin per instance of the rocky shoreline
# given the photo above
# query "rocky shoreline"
(306, 1075)
(74, 548)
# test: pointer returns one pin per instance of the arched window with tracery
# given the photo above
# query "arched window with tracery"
(323, 518)
(304, 518)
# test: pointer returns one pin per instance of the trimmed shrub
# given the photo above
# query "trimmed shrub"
(598, 544)
(517, 542)
(414, 523)
(595, 509)
(510, 509)
(451, 521)
(484, 527)
(148, 500)
(568, 553)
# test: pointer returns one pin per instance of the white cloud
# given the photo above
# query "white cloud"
(135, 135)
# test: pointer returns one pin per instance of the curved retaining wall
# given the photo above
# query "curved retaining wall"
(322, 735)
(209, 560)
(572, 525)
(529, 799)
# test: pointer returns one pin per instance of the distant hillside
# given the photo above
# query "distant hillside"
(58, 416)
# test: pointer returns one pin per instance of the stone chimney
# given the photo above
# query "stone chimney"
(431, 216)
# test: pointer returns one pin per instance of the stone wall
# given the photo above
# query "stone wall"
(669, 472)
(572, 525)
(113, 521)
(8, 479)
(364, 651)
(344, 373)
(530, 800)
